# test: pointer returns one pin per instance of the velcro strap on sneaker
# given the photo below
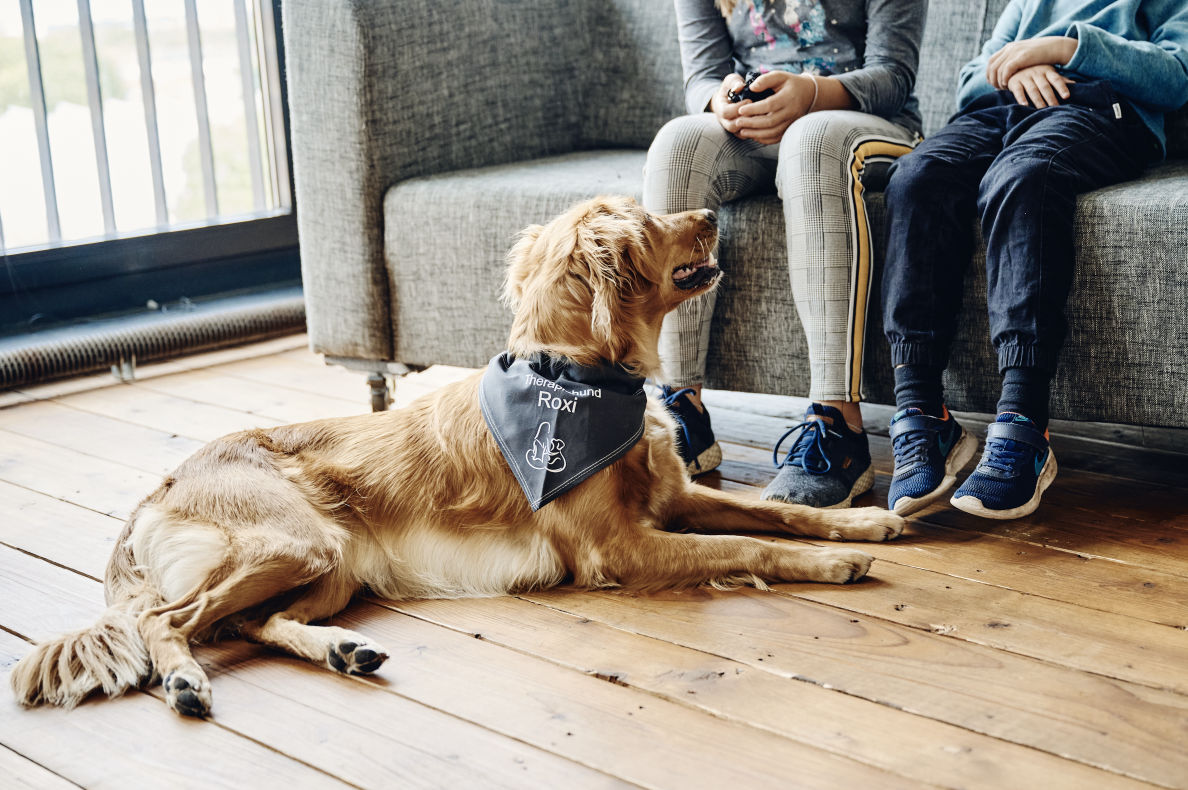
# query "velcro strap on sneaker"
(915, 422)
(1018, 433)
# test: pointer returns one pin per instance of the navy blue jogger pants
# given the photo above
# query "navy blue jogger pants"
(1019, 169)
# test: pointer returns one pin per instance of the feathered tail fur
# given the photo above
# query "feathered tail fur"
(109, 656)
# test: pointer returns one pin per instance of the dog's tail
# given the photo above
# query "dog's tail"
(110, 655)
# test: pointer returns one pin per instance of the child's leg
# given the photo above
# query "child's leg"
(695, 163)
(827, 159)
(930, 214)
(1027, 201)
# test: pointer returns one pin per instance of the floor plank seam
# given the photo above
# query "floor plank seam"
(303, 390)
(45, 768)
(679, 701)
(56, 564)
(63, 500)
(938, 630)
(999, 586)
(373, 687)
(74, 448)
(829, 687)
(377, 604)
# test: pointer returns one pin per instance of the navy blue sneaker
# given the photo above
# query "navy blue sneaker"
(827, 466)
(929, 452)
(1016, 468)
(695, 438)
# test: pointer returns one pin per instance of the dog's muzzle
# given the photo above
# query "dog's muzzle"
(696, 274)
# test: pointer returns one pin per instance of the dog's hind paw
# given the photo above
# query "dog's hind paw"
(187, 691)
(866, 523)
(355, 657)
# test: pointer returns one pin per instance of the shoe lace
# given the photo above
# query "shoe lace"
(669, 398)
(910, 448)
(1003, 455)
(808, 450)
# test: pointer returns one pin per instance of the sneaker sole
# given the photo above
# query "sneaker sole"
(708, 461)
(972, 505)
(959, 456)
(864, 483)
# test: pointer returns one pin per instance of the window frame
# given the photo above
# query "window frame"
(47, 286)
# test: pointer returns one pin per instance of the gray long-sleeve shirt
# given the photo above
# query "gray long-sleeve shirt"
(871, 46)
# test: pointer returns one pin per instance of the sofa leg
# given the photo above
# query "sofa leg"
(378, 372)
(380, 396)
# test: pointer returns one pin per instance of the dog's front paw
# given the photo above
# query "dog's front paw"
(865, 523)
(841, 566)
(187, 691)
(355, 656)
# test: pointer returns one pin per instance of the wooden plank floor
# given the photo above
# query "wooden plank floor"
(1048, 652)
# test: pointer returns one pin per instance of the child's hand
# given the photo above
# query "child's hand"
(1018, 55)
(766, 121)
(1040, 85)
(725, 110)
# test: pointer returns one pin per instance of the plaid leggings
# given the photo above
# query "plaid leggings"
(820, 170)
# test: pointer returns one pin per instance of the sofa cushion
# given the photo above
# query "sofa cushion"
(454, 228)
(1123, 360)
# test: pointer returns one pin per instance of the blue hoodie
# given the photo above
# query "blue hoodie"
(1141, 46)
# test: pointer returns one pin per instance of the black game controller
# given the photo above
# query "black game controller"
(746, 92)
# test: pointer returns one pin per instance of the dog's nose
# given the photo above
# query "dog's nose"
(711, 217)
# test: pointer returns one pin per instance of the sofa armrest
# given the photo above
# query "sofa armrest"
(380, 92)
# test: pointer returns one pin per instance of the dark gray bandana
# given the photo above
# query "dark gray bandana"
(558, 423)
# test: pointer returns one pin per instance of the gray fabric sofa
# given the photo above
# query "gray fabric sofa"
(426, 136)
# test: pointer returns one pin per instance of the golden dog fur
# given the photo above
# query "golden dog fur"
(263, 531)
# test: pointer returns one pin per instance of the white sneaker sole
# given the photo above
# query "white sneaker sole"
(959, 456)
(708, 461)
(864, 483)
(972, 505)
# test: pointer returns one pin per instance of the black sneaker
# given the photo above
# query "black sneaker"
(827, 466)
(695, 439)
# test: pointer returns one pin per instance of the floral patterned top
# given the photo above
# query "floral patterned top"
(872, 46)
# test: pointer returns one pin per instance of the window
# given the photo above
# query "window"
(144, 142)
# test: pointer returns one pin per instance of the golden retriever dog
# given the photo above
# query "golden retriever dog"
(264, 531)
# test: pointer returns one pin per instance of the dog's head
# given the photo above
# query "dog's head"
(596, 282)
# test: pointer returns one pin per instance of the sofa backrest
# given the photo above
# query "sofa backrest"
(953, 34)
(634, 82)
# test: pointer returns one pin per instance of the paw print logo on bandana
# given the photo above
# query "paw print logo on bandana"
(545, 452)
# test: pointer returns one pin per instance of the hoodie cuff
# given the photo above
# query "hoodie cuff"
(698, 95)
(1089, 46)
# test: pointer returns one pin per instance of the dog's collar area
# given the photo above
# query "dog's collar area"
(557, 422)
(695, 274)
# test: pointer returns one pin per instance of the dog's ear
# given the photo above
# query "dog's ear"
(604, 249)
(518, 258)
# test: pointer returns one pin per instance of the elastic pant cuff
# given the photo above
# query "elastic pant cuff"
(918, 354)
(1024, 356)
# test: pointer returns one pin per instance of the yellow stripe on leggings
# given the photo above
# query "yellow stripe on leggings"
(862, 271)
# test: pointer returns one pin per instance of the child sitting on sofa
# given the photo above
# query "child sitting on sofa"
(1067, 96)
